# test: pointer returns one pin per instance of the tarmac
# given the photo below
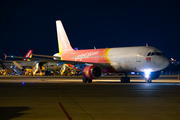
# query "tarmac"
(68, 98)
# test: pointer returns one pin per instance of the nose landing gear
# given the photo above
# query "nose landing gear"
(148, 80)
(125, 79)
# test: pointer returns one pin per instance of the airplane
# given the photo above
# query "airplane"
(28, 55)
(23, 62)
(147, 60)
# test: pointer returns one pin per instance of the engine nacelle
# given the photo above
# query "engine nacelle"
(57, 56)
(92, 72)
(153, 75)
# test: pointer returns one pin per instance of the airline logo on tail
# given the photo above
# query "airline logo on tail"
(28, 55)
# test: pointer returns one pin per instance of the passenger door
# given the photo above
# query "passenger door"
(138, 56)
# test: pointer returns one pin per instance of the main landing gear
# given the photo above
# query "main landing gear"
(125, 79)
(85, 80)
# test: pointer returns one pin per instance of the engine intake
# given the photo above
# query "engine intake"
(92, 72)
(57, 56)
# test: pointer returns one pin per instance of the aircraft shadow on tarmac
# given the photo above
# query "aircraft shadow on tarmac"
(7, 113)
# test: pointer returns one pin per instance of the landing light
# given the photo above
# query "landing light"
(147, 73)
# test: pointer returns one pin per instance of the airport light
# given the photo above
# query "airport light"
(133, 73)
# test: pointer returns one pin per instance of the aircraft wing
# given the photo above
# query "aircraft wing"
(103, 65)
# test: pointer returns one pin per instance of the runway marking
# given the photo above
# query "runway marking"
(64, 110)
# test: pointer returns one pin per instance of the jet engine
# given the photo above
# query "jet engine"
(57, 56)
(92, 72)
(153, 75)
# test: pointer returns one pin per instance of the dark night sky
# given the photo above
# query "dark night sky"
(30, 24)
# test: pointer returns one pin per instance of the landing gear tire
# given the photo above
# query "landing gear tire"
(148, 80)
(125, 79)
(128, 80)
(85, 80)
(89, 80)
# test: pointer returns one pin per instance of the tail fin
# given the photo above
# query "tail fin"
(63, 41)
(28, 55)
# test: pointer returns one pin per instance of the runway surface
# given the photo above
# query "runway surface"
(67, 98)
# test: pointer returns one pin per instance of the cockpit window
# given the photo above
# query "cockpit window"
(158, 53)
(149, 54)
(155, 53)
(162, 54)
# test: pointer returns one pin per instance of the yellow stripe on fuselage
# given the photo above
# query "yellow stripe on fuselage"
(106, 55)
